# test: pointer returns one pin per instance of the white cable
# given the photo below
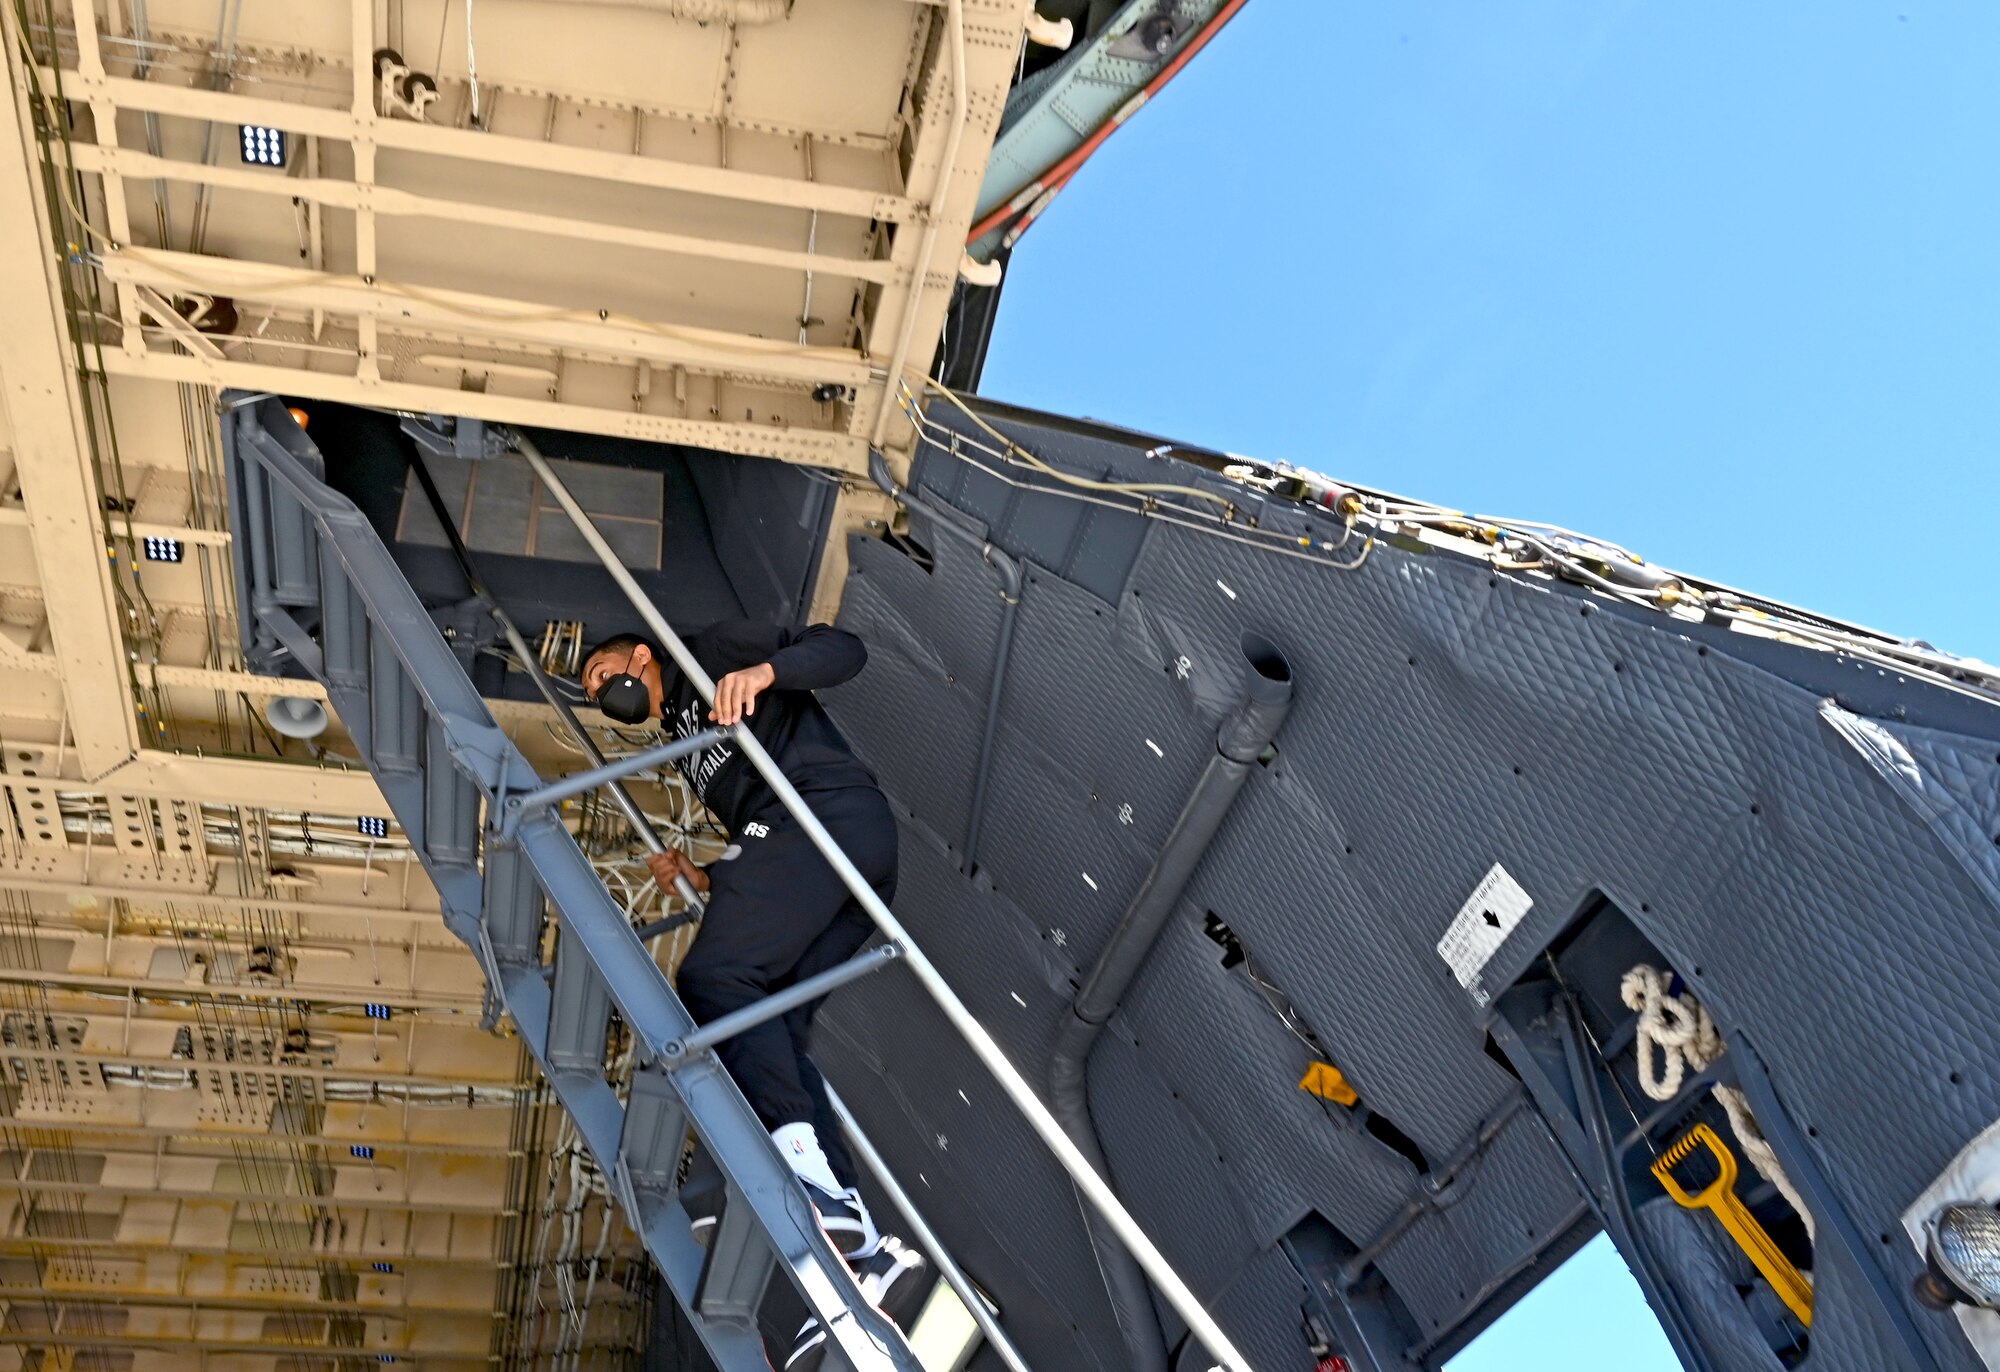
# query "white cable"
(471, 64)
(1542, 536)
(1285, 545)
(1680, 1030)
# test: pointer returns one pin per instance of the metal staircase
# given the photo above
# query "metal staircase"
(317, 587)
(309, 558)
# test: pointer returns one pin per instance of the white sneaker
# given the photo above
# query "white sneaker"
(891, 1278)
(845, 1218)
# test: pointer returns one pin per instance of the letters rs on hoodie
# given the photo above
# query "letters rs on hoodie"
(789, 722)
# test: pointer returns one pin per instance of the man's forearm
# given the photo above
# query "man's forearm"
(817, 656)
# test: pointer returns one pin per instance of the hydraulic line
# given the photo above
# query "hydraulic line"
(533, 667)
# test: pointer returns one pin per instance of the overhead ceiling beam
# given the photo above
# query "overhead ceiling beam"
(464, 312)
(45, 428)
(96, 1135)
(436, 140)
(71, 880)
(256, 783)
(210, 1354)
(213, 538)
(289, 992)
(844, 453)
(401, 1253)
(136, 1295)
(388, 200)
(402, 1200)
(374, 1074)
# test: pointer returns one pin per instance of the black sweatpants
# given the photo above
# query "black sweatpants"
(777, 912)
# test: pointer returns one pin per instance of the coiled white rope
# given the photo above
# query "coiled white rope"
(1680, 1031)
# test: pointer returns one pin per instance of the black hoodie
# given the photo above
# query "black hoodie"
(789, 722)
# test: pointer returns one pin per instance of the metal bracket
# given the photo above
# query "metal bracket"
(470, 440)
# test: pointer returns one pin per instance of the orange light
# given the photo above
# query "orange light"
(299, 416)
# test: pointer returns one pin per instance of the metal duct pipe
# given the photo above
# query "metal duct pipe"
(1242, 739)
(1009, 572)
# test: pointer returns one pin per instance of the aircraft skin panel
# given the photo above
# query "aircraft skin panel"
(1830, 901)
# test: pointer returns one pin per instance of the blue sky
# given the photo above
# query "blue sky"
(1715, 281)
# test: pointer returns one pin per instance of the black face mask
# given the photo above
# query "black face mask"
(624, 699)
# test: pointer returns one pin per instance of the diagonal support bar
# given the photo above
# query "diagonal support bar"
(578, 783)
(781, 1002)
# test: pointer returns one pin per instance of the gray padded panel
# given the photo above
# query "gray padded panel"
(1141, 745)
(1292, 1154)
(1949, 780)
(1064, 857)
(925, 751)
(1263, 1307)
(1008, 973)
(1503, 1208)
(1383, 1002)
(1176, 1179)
(1085, 544)
(1446, 718)
(958, 608)
(892, 1055)
(767, 521)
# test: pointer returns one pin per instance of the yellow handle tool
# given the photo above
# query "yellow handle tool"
(1720, 1197)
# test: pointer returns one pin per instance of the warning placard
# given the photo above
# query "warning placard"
(1481, 925)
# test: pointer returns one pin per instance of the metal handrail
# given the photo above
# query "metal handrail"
(609, 775)
(948, 1268)
(1092, 1186)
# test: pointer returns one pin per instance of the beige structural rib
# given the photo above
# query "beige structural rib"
(955, 39)
(45, 429)
(819, 448)
(487, 316)
(403, 135)
(390, 201)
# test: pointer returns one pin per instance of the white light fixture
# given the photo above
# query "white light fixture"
(296, 716)
(1965, 1252)
(262, 146)
(163, 549)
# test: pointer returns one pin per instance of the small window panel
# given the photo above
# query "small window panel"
(500, 508)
